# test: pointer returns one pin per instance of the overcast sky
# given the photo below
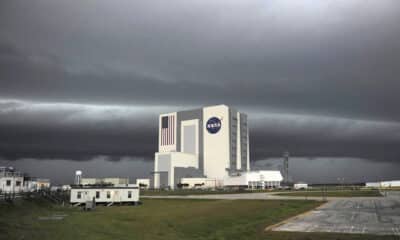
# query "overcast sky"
(82, 82)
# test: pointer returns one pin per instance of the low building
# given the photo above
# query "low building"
(11, 181)
(383, 184)
(30, 184)
(143, 183)
(104, 181)
(373, 184)
(105, 194)
(389, 184)
(42, 183)
(300, 186)
(203, 183)
(255, 179)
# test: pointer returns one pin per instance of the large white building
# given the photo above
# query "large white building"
(210, 142)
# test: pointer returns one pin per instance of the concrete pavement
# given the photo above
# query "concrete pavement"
(351, 215)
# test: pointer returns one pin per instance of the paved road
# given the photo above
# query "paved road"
(351, 215)
(259, 196)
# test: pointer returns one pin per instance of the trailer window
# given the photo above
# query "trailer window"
(97, 194)
(108, 194)
(79, 195)
(18, 183)
(129, 194)
(8, 183)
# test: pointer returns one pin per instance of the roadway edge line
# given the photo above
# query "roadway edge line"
(271, 227)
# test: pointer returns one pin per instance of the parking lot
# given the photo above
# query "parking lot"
(351, 215)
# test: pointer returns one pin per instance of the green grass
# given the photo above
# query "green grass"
(159, 219)
(344, 193)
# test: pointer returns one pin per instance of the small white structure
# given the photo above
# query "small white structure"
(255, 179)
(30, 184)
(373, 184)
(383, 184)
(143, 183)
(389, 184)
(202, 183)
(11, 181)
(102, 181)
(105, 194)
(300, 186)
(42, 183)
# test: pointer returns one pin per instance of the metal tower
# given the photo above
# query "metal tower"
(286, 167)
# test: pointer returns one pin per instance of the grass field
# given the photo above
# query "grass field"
(159, 219)
(344, 193)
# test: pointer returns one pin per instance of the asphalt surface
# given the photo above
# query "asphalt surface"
(250, 196)
(379, 216)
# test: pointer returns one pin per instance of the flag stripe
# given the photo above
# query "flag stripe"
(168, 132)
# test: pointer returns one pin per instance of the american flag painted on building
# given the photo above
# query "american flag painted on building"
(167, 130)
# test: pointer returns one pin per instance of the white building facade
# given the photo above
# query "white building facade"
(255, 179)
(11, 181)
(210, 142)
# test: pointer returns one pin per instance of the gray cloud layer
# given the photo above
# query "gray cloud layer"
(81, 79)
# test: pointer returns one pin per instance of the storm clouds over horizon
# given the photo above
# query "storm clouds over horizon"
(86, 80)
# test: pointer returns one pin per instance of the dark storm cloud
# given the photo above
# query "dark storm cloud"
(89, 78)
(310, 136)
(326, 58)
(81, 131)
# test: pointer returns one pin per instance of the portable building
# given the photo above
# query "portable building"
(104, 194)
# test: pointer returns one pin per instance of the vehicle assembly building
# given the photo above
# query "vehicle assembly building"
(207, 143)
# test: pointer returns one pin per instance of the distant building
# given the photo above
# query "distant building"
(43, 183)
(389, 184)
(143, 183)
(383, 184)
(30, 184)
(11, 181)
(255, 179)
(373, 184)
(210, 142)
(300, 186)
(104, 181)
(202, 183)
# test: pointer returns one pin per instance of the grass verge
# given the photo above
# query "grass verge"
(157, 219)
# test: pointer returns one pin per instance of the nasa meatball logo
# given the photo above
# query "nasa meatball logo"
(213, 125)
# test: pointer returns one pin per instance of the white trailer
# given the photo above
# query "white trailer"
(104, 194)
